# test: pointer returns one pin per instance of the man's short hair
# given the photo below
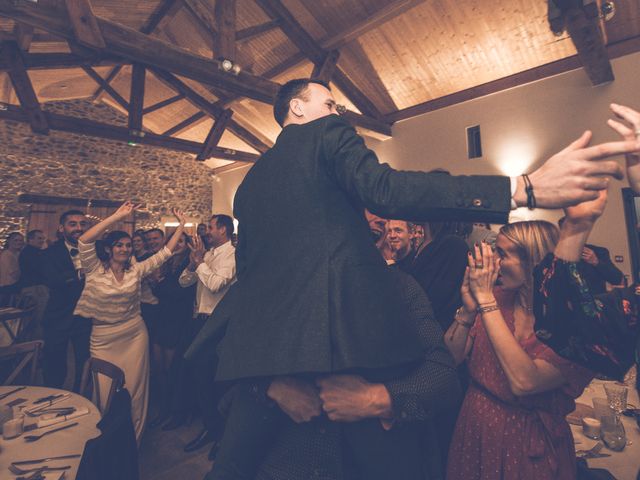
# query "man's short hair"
(224, 221)
(31, 234)
(153, 230)
(70, 213)
(287, 92)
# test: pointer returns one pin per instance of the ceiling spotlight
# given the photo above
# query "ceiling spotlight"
(228, 66)
(608, 10)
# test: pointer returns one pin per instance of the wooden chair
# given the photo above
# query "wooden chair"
(90, 384)
(18, 356)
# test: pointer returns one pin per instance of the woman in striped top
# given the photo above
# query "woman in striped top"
(111, 299)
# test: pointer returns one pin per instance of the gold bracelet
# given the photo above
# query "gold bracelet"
(488, 308)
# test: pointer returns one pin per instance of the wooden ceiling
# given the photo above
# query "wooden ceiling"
(158, 61)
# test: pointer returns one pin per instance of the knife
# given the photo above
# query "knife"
(42, 460)
(5, 395)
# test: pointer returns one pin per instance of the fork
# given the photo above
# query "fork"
(33, 438)
(42, 468)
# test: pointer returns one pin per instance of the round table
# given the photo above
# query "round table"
(623, 465)
(64, 442)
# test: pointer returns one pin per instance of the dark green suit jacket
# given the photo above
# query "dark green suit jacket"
(313, 293)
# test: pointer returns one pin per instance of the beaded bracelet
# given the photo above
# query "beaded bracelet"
(487, 308)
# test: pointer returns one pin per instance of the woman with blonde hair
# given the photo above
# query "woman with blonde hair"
(511, 425)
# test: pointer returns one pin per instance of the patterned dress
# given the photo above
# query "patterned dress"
(501, 436)
(118, 334)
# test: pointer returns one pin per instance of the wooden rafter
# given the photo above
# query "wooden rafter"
(230, 167)
(615, 50)
(24, 89)
(324, 70)
(108, 88)
(215, 134)
(136, 98)
(210, 109)
(43, 61)
(224, 42)
(252, 32)
(391, 10)
(298, 35)
(162, 104)
(164, 9)
(202, 13)
(85, 26)
(107, 82)
(131, 44)
(583, 25)
(186, 124)
(24, 35)
(92, 128)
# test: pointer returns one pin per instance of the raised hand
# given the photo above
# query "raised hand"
(198, 251)
(629, 131)
(483, 272)
(468, 301)
(179, 214)
(587, 212)
(126, 209)
(576, 174)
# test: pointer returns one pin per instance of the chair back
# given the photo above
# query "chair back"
(100, 381)
(18, 356)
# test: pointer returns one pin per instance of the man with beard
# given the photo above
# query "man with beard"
(63, 275)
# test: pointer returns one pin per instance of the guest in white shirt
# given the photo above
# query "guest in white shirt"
(214, 271)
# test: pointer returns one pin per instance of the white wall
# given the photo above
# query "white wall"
(520, 128)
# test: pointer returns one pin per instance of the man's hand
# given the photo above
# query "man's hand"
(575, 174)
(296, 398)
(350, 398)
(629, 129)
(196, 257)
(589, 256)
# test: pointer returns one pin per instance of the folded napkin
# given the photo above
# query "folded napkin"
(46, 421)
(47, 404)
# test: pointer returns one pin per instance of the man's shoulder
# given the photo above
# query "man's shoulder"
(597, 249)
(55, 249)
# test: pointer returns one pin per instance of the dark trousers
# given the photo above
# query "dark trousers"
(56, 343)
(370, 452)
(208, 392)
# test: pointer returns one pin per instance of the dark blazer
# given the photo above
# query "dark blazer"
(64, 285)
(30, 260)
(598, 276)
(313, 292)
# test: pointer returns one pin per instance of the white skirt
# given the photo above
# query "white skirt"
(126, 344)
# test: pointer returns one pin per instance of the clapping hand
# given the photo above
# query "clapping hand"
(629, 131)
(198, 250)
(587, 212)
(483, 273)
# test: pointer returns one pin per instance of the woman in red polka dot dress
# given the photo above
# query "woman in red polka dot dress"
(512, 423)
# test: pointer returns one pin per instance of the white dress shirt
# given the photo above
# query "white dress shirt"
(214, 276)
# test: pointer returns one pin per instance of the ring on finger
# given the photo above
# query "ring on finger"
(479, 265)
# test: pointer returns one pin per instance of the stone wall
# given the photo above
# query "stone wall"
(70, 165)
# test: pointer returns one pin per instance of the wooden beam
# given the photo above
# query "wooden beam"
(586, 35)
(162, 104)
(24, 35)
(615, 50)
(24, 89)
(108, 88)
(203, 14)
(110, 77)
(215, 134)
(230, 167)
(391, 10)
(307, 45)
(185, 124)
(224, 43)
(249, 33)
(85, 26)
(131, 44)
(164, 9)
(382, 129)
(43, 61)
(136, 98)
(324, 70)
(92, 128)
(211, 109)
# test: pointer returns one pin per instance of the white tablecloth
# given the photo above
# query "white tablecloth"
(65, 442)
(623, 465)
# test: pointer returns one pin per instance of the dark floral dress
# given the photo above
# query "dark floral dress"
(599, 332)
